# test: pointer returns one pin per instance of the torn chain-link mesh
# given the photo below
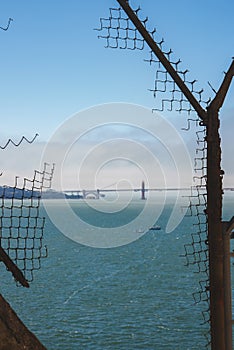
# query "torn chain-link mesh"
(197, 252)
(165, 84)
(21, 225)
(118, 32)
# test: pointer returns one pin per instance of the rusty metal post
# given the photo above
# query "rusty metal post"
(143, 190)
(214, 217)
(13, 268)
(215, 236)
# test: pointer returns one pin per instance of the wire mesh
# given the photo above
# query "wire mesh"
(118, 32)
(20, 221)
(197, 251)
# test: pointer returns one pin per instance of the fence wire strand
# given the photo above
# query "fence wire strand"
(7, 26)
(16, 144)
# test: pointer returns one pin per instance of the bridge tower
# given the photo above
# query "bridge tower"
(143, 190)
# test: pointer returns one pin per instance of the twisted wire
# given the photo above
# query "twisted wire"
(16, 144)
(8, 25)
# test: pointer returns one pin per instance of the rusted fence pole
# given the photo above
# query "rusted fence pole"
(11, 266)
(215, 235)
(217, 278)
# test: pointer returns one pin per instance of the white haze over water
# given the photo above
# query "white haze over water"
(105, 145)
(115, 145)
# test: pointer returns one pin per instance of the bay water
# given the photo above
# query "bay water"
(135, 296)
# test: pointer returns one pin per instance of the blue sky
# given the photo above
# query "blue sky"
(53, 65)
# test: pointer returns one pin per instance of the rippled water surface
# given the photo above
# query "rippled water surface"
(137, 296)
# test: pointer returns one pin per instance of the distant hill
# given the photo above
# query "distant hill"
(52, 194)
(18, 193)
(9, 192)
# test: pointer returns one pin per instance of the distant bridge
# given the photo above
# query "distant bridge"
(96, 194)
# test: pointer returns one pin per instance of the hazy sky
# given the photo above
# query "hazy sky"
(53, 66)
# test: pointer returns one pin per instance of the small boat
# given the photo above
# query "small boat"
(155, 228)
